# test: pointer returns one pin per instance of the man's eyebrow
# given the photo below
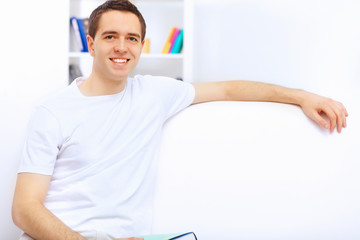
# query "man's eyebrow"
(108, 33)
(134, 35)
(114, 32)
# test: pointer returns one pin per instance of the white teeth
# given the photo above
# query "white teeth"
(117, 60)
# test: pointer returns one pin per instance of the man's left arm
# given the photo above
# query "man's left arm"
(313, 105)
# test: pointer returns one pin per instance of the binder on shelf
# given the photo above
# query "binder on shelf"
(75, 27)
(177, 47)
(80, 28)
(168, 40)
(83, 24)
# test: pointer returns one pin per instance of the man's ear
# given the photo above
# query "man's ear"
(90, 43)
(142, 45)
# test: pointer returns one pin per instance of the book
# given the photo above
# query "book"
(168, 40)
(176, 236)
(83, 24)
(178, 43)
(75, 28)
(173, 39)
(146, 47)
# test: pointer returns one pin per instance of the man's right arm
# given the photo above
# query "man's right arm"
(31, 215)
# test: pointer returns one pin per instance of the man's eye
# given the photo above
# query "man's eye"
(133, 39)
(109, 37)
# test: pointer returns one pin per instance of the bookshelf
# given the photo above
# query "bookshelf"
(160, 16)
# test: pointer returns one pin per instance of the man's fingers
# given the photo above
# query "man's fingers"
(330, 113)
(320, 120)
(326, 112)
(344, 114)
(341, 121)
(337, 114)
(341, 115)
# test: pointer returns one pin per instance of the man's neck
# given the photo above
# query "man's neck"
(94, 86)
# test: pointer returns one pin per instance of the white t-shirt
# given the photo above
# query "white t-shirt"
(101, 152)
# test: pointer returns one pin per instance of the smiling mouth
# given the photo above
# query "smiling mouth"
(120, 60)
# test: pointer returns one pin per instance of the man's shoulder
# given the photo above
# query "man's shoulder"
(59, 99)
(156, 81)
(148, 78)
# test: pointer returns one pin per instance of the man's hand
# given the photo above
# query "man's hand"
(314, 106)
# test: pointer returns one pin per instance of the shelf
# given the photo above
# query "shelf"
(162, 56)
(78, 54)
(161, 16)
(144, 55)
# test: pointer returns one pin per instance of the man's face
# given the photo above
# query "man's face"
(117, 45)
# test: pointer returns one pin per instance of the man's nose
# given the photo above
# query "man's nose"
(120, 45)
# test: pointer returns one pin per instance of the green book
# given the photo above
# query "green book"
(175, 236)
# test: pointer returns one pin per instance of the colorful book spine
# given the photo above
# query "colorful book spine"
(173, 39)
(177, 47)
(167, 44)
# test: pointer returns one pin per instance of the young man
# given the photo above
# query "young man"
(87, 170)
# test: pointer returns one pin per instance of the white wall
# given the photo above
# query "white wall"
(33, 64)
(311, 44)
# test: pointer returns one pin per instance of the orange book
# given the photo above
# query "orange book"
(168, 42)
(146, 47)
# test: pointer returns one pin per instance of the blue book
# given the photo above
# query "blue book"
(75, 27)
(178, 236)
(83, 24)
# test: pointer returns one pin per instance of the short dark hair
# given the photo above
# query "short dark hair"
(120, 5)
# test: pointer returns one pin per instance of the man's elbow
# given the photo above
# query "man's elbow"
(17, 214)
(21, 212)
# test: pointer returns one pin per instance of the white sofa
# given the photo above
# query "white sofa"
(249, 170)
(246, 170)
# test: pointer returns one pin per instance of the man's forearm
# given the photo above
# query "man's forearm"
(258, 91)
(312, 105)
(39, 223)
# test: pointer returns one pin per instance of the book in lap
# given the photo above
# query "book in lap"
(177, 236)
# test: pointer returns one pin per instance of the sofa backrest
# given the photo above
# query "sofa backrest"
(249, 170)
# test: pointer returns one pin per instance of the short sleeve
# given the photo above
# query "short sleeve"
(42, 143)
(175, 95)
